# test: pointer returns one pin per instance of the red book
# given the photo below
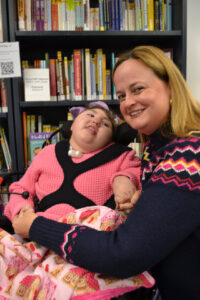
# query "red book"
(52, 73)
(77, 74)
(54, 15)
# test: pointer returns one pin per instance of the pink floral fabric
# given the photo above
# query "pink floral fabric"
(29, 271)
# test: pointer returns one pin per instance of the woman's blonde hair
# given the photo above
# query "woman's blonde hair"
(184, 117)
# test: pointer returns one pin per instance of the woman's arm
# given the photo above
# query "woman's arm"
(160, 221)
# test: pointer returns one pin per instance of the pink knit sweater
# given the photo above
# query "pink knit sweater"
(45, 176)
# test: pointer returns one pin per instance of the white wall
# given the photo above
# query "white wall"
(193, 47)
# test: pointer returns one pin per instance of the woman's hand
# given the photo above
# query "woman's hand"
(23, 221)
(125, 193)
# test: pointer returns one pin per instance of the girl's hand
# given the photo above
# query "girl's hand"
(125, 193)
(23, 221)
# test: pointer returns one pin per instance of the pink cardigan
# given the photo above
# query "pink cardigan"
(45, 176)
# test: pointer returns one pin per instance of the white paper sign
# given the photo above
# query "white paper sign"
(36, 84)
(10, 65)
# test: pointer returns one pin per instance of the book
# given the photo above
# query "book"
(88, 74)
(1, 25)
(21, 14)
(37, 140)
(36, 84)
(5, 148)
(60, 77)
(52, 74)
(150, 9)
(4, 103)
(54, 15)
(28, 15)
(25, 137)
(66, 78)
(77, 74)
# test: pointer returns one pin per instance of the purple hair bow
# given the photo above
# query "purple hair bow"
(76, 110)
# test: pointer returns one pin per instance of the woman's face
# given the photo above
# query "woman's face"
(144, 98)
(91, 130)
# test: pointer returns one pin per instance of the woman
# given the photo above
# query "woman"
(162, 232)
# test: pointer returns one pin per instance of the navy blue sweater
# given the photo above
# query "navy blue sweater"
(161, 234)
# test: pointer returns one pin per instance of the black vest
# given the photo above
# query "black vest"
(67, 193)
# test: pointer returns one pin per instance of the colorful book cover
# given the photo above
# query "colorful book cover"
(37, 140)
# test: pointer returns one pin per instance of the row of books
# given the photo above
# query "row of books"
(36, 132)
(43, 15)
(84, 76)
(5, 156)
(3, 97)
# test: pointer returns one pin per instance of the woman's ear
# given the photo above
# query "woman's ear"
(125, 134)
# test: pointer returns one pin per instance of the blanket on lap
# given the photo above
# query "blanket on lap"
(30, 271)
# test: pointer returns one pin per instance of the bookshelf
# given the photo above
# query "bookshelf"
(7, 118)
(34, 44)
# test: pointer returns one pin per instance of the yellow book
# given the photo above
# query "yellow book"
(150, 9)
(21, 14)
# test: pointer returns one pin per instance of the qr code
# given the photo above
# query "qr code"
(7, 68)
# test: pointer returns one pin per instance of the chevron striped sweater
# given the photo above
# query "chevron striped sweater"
(161, 234)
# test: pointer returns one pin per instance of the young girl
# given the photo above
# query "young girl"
(81, 172)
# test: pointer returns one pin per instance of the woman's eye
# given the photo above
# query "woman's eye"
(138, 89)
(121, 97)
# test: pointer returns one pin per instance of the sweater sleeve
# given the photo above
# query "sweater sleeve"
(130, 166)
(166, 214)
(26, 183)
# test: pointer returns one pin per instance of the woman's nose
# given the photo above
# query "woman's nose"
(130, 100)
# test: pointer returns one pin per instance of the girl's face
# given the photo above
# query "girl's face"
(144, 98)
(91, 130)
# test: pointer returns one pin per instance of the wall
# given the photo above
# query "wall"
(193, 47)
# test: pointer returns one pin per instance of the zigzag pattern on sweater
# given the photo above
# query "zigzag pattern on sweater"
(177, 163)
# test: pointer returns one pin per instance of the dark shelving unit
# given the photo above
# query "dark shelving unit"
(7, 119)
(33, 44)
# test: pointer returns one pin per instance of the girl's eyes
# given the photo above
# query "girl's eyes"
(90, 115)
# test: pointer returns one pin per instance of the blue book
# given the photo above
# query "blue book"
(37, 139)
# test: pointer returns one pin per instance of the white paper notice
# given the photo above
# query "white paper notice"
(10, 65)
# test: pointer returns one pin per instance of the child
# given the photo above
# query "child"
(82, 172)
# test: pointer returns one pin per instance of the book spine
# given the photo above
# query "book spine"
(104, 76)
(156, 15)
(7, 154)
(144, 15)
(77, 74)
(150, 9)
(101, 16)
(42, 15)
(61, 96)
(4, 102)
(54, 15)
(100, 73)
(66, 72)
(21, 14)
(169, 15)
(108, 85)
(28, 14)
(48, 11)
(86, 4)
(33, 15)
(88, 74)
(38, 15)
(93, 77)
